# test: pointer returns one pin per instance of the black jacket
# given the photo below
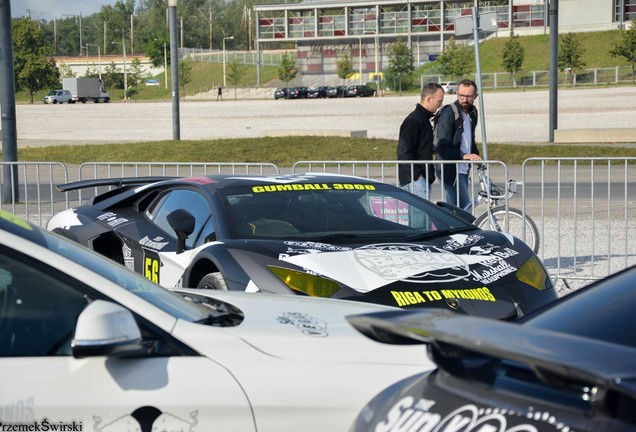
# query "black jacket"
(448, 139)
(416, 143)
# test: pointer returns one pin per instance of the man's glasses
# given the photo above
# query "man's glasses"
(461, 96)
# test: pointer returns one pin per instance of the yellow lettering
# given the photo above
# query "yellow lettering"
(419, 297)
(409, 297)
(258, 189)
(151, 269)
(398, 298)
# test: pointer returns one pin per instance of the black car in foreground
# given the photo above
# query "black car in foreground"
(569, 367)
(316, 234)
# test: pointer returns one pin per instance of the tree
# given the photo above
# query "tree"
(455, 60)
(512, 56)
(34, 70)
(570, 53)
(287, 69)
(155, 50)
(400, 62)
(112, 77)
(185, 72)
(626, 47)
(66, 71)
(344, 67)
(136, 73)
(235, 72)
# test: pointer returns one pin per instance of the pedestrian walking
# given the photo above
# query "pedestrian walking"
(416, 143)
(455, 141)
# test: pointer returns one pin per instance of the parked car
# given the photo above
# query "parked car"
(281, 93)
(84, 341)
(336, 92)
(569, 367)
(314, 234)
(449, 87)
(359, 91)
(302, 92)
(318, 92)
(58, 96)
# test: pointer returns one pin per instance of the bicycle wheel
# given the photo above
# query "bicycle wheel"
(514, 220)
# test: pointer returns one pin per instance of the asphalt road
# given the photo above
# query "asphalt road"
(514, 117)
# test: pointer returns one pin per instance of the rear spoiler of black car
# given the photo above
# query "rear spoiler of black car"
(549, 354)
(123, 181)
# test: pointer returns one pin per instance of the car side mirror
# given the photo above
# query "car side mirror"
(182, 222)
(106, 329)
(462, 214)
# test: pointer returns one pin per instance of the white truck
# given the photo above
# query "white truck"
(86, 89)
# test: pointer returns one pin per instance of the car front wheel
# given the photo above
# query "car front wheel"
(213, 281)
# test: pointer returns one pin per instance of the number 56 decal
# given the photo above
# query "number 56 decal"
(152, 265)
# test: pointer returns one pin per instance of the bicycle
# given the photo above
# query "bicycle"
(497, 217)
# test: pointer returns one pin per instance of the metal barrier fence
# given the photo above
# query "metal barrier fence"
(583, 209)
(28, 189)
(581, 206)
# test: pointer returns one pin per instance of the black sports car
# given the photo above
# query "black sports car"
(311, 234)
(569, 367)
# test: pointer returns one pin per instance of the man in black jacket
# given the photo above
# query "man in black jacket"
(455, 140)
(416, 143)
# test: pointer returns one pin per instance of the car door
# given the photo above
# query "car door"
(171, 389)
(153, 242)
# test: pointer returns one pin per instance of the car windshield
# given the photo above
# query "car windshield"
(160, 297)
(320, 211)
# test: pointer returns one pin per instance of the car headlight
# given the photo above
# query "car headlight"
(315, 286)
(532, 273)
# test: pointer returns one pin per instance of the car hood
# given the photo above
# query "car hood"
(304, 329)
(476, 272)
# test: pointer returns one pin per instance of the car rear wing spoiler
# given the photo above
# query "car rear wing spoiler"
(549, 354)
(118, 182)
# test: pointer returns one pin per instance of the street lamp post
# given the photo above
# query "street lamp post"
(224, 39)
(123, 47)
(360, 56)
(165, 64)
(99, 58)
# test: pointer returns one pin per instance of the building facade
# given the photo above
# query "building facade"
(324, 31)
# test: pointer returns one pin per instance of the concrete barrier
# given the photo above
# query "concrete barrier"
(617, 135)
(308, 132)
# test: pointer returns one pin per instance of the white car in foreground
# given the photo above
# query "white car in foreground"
(86, 344)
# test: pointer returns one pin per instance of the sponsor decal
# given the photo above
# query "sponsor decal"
(155, 243)
(147, 419)
(303, 247)
(390, 209)
(306, 324)
(374, 266)
(411, 415)
(458, 241)
(407, 298)
(495, 271)
(111, 219)
(311, 186)
(129, 261)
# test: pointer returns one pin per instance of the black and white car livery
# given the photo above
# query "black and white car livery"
(312, 234)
